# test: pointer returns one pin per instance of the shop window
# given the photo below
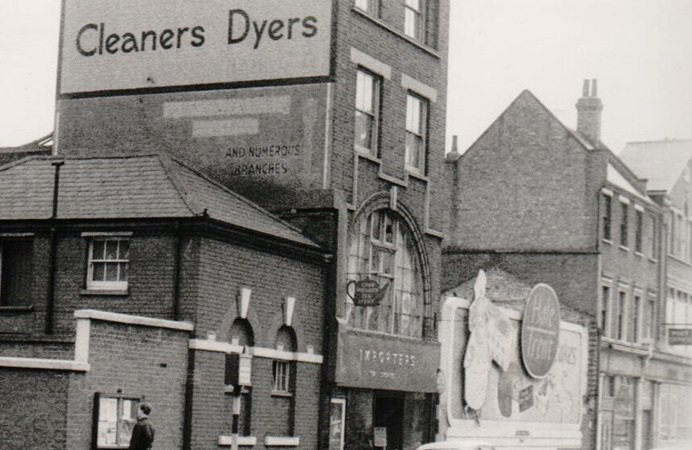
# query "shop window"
(383, 249)
(624, 224)
(416, 124)
(607, 217)
(16, 272)
(367, 112)
(108, 265)
(114, 419)
(370, 6)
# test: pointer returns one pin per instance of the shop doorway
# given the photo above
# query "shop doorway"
(388, 413)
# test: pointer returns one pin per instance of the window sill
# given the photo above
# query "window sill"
(429, 50)
(640, 254)
(624, 248)
(607, 241)
(281, 394)
(652, 259)
(105, 292)
(366, 153)
(16, 309)
(243, 441)
(416, 174)
(230, 389)
(276, 441)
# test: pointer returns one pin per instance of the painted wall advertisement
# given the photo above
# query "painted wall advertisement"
(119, 45)
(505, 401)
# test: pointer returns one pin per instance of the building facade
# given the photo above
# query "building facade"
(666, 166)
(329, 114)
(136, 278)
(575, 216)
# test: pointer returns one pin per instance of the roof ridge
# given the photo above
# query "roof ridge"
(178, 184)
(238, 196)
(26, 159)
(660, 141)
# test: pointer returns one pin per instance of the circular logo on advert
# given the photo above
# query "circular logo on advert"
(540, 331)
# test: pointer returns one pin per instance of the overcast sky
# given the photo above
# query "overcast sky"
(639, 50)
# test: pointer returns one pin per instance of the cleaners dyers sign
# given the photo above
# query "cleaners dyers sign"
(138, 44)
(540, 331)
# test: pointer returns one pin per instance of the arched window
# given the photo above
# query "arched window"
(241, 334)
(281, 369)
(383, 249)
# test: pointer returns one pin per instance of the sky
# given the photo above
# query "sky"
(639, 50)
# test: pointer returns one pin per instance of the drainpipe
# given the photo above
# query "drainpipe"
(50, 306)
(176, 271)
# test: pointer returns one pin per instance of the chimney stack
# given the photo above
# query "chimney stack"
(454, 154)
(589, 109)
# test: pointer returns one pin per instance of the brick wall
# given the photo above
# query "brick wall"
(525, 184)
(33, 409)
(136, 361)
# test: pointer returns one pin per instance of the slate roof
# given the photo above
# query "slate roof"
(662, 162)
(128, 187)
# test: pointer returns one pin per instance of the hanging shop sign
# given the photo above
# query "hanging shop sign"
(133, 44)
(540, 331)
(679, 336)
(366, 292)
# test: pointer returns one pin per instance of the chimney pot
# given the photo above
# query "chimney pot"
(585, 91)
(589, 109)
(594, 88)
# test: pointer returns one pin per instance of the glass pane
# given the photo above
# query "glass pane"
(377, 226)
(111, 249)
(108, 421)
(99, 247)
(124, 250)
(99, 271)
(376, 261)
(111, 272)
(387, 262)
(124, 268)
(388, 229)
(364, 130)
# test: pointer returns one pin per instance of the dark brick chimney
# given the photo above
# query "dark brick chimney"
(589, 109)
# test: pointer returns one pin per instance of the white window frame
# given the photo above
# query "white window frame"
(122, 439)
(342, 424)
(621, 326)
(606, 305)
(607, 224)
(624, 224)
(102, 285)
(416, 127)
(281, 379)
(369, 6)
(414, 19)
(373, 112)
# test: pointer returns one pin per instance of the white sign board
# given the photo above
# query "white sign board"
(121, 45)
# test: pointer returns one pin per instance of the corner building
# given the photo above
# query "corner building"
(334, 121)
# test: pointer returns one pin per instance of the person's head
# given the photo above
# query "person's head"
(143, 410)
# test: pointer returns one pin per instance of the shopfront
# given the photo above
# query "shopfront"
(387, 352)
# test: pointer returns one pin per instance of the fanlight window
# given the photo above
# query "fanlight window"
(383, 249)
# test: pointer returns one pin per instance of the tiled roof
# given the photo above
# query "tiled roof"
(128, 187)
(662, 162)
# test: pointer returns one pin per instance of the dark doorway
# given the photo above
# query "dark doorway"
(388, 412)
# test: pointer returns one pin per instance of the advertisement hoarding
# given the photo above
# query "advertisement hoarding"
(121, 45)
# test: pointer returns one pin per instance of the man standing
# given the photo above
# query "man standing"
(143, 432)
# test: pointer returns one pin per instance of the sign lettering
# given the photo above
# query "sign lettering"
(540, 331)
(679, 336)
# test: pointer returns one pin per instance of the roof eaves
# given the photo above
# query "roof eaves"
(240, 198)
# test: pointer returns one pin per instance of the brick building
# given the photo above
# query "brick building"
(551, 204)
(130, 278)
(338, 129)
(334, 121)
(667, 166)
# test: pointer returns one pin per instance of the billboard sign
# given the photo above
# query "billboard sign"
(121, 45)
